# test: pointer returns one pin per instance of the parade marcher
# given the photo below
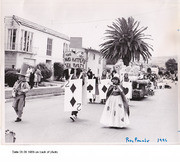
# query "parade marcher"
(73, 116)
(20, 88)
(104, 75)
(76, 75)
(89, 74)
(66, 74)
(116, 110)
(127, 84)
(114, 74)
(96, 87)
(126, 77)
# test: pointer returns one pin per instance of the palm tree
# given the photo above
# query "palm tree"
(125, 40)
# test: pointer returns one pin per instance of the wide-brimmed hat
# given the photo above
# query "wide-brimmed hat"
(23, 70)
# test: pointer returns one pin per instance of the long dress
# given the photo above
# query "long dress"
(115, 113)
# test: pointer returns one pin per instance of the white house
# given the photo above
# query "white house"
(31, 43)
(93, 57)
(95, 61)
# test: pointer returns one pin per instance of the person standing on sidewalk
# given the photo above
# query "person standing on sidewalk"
(38, 76)
(20, 88)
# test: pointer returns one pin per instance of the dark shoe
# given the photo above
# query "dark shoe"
(72, 118)
(18, 120)
(90, 100)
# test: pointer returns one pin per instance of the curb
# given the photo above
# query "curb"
(37, 96)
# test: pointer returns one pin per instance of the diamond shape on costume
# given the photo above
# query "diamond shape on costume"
(108, 108)
(122, 119)
(73, 101)
(73, 88)
(114, 113)
(104, 88)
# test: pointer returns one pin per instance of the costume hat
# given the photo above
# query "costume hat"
(23, 70)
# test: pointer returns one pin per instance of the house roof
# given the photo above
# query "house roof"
(38, 27)
(92, 50)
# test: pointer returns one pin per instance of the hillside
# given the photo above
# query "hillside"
(160, 61)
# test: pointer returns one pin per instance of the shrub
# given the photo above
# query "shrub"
(45, 71)
(58, 70)
(11, 77)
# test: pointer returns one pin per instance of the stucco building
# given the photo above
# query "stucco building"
(32, 43)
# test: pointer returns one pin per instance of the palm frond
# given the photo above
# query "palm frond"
(125, 40)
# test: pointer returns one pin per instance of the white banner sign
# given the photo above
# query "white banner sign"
(73, 60)
(73, 95)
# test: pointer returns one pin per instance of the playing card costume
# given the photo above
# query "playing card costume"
(91, 89)
(103, 88)
(74, 93)
(20, 88)
(116, 110)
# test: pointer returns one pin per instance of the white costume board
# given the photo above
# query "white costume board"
(90, 88)
(103, 88)
(128, 88)
(73, 95)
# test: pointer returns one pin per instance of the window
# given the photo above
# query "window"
(65, 47)
(99, 60)
(94, 57)
(26, 41)
(49, 47)
(11, 43)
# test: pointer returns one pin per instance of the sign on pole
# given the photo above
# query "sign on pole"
(74, 60)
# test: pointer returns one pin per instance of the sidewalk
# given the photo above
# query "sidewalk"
(50, 88)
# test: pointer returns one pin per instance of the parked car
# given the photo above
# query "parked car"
(140, 89)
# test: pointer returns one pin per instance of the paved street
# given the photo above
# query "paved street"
(44, 121)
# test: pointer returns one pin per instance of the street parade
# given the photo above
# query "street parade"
(90, 81)
(59, 90)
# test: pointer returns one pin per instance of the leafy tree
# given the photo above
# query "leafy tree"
(58, 70)
(171, 65)
(149, 71)
(125, 40)
(11, 77)
(45, 71)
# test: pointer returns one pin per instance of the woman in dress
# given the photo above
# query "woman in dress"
(116, 110)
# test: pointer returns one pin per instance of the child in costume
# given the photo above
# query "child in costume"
(20, 88)
(116, 110)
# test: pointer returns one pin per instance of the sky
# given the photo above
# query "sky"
(89, 19)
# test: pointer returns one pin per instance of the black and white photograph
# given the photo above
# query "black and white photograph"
(101, 72)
